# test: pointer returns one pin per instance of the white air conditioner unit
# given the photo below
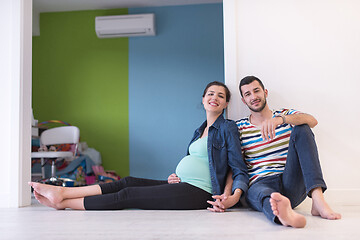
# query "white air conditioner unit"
(125, 25)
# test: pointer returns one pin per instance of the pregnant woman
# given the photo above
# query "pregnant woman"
(214, 155)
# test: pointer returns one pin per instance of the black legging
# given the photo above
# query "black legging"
(149, 194)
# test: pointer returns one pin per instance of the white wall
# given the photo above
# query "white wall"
(24, 194)
(5, 95)
(307, 52)
(15, 102)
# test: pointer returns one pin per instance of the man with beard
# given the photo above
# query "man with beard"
(282, 159)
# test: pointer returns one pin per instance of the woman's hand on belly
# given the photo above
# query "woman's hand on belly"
(173, 178)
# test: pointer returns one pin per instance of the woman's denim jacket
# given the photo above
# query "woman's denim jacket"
(224, 152)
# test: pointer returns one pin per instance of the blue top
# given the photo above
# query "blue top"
(194, 168)
(224, 152)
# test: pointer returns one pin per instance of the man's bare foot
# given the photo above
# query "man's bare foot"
(44, 201)
(282, 209)
(50, 192)
(320, 206)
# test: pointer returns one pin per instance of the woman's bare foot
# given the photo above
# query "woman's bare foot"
(282, 209)
(320, 206)
(51, 193)
(44, 201)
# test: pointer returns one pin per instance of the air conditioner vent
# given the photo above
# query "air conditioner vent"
(125, 25)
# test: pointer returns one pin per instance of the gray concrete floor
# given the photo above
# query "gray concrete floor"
(39, 222)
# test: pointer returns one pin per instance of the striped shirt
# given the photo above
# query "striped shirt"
(264, 158)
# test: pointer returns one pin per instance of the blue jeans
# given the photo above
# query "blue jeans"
(301, 175)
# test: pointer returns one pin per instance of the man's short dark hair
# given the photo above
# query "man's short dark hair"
(247, 80)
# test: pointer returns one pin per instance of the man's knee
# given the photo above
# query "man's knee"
(302, 129)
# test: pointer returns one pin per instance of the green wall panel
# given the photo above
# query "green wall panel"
(83, 80)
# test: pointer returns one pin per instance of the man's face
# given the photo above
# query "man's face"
(254, 96)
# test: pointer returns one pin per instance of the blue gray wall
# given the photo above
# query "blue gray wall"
(167, 74)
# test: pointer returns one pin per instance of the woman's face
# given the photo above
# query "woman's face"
(215, 99)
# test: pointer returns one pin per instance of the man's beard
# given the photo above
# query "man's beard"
(258, 109)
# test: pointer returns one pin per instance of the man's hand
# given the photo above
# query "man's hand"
(173, 178)
(268, 128)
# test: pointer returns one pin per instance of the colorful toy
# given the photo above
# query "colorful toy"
(54, 121)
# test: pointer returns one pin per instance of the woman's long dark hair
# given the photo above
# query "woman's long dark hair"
(216, 83)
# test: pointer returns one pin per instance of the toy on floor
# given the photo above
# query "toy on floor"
(104, 176)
